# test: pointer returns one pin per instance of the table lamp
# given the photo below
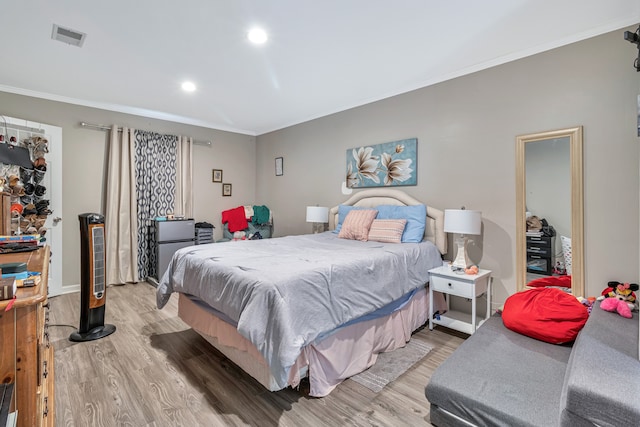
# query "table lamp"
(463, 222)
(319, 216)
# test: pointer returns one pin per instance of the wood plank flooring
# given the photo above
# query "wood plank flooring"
(156, 371)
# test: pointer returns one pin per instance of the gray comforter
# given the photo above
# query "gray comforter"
(285, 292)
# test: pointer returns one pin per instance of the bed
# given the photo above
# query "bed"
(312, 305)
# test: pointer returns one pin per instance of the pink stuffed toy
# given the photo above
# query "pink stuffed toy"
(613, 304)
(619, 297)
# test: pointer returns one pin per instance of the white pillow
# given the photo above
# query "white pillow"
(566, 252)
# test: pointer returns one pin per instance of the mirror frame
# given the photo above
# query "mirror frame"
(577, 205)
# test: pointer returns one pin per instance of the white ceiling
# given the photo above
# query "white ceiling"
(323, 56)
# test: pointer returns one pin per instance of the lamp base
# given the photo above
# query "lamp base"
(462, 259)
(319, 227)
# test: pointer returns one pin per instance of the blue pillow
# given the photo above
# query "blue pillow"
(343, 210)
(416, 217)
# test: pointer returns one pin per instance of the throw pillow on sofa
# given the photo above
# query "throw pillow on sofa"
(546, 314)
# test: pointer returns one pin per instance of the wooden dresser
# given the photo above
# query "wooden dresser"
(26, 355)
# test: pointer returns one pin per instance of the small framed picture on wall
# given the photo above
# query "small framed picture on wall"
(217, 175)
(226, 189)
(279, 166)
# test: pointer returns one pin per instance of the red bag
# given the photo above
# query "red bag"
(560, 281)
(546, 314)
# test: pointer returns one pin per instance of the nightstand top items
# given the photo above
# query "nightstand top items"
(446, 271)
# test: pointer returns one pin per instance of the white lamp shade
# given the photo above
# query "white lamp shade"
(462, 221)
(317, 214)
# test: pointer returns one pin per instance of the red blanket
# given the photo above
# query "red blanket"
(235, 218)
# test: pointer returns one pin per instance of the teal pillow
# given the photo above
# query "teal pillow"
(416, 217)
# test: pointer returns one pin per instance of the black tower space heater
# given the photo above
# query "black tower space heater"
(93, 285)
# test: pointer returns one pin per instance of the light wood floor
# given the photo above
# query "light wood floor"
(155, 371)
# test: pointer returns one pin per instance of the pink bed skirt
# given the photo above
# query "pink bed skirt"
(346, 352)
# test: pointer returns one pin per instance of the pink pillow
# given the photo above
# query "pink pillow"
(357, 223)
(387, 230)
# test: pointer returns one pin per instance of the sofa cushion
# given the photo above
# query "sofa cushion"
(546, 314)
(602, 381)
(500, 377)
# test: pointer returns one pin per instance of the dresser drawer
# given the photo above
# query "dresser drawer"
(46, 403)
(539, 241)
(539, 250)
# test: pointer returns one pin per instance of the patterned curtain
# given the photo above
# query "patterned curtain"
(156, 167)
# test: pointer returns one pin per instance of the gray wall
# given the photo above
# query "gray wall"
(466, 130)
(84, 151)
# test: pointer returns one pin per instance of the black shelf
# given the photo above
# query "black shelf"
(540, 259)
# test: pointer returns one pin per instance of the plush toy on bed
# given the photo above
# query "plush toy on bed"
(619, 297)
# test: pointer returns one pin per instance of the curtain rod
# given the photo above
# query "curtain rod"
(104, 127)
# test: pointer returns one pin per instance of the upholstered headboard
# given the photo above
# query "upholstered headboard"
(434, 230)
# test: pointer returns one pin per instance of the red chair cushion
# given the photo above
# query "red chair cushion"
(546, 314)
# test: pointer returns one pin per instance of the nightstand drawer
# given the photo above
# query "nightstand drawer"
(451, 286)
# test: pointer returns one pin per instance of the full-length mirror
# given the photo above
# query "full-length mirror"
(549, 223)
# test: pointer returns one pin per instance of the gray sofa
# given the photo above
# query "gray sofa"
(498, 377)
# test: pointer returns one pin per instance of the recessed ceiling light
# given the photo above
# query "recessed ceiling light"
(188, 86)
(257, 36)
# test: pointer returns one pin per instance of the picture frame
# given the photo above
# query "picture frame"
(279, 166)
(226, 190)
(388, 164)
(216, 175)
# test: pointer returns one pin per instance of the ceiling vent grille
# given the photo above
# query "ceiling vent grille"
(67, 35)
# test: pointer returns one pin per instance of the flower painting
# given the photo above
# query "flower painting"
(383, 165)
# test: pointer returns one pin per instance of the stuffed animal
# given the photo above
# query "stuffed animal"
(239, 235)
(619, 297)
(587, 302)
(472, 270)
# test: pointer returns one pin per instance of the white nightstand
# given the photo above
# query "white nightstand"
(442, 279)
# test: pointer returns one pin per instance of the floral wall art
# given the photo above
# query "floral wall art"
(383, 165)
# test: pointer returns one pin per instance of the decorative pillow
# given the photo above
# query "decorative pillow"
(387, 230)
(559, 281)
(546, 314)
(357, 223)
(343, 210)
(566, 251)
(416, 217)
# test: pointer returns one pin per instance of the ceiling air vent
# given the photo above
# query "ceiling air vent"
(67, 35)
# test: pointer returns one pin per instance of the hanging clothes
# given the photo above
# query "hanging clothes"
(260, 215)
(235, 219)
